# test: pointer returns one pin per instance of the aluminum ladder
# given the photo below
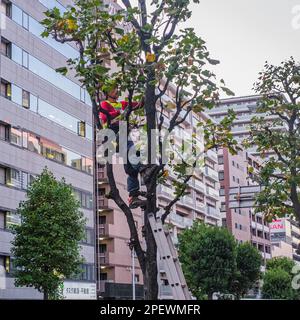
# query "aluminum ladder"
(168, 255)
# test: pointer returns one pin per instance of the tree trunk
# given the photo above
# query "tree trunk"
(150, 276)
(295, 198)
(46, 295)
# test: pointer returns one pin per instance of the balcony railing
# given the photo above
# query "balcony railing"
(104, 230)
(187, 200)
(101, 174)
(103, 258)
(181, 221)
(211, 211)
(211, 173)
(102, 202)
(212, 155)
(199, 185)
(212, 192)
(166, 191)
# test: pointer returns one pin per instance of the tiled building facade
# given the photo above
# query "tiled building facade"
(45, 120)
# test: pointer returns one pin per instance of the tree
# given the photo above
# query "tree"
(278, 285)
(150, 56)
(279, 87)
(277, 281)
(208, 257)
(248, 262)
(46, 245)
(283, 263)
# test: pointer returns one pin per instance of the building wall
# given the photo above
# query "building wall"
(243, 223)
(50, 133)
(245, 109)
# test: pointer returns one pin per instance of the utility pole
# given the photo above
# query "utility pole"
(133, 273)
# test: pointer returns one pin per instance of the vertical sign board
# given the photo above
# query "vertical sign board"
(278, 230)
(79, 291)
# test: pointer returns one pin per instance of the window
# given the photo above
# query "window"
(87, 165)
(34, 143)
(81, 129)
(5, 48)
(25, 59)
(25, 20)
(102, 219)
(102, 248)
(103, 276)
(5, 89)
(233, 178)
(24, 180)
(220, 160)
(2, 175)
(5, 8)
(16, 137)
(137, 278)
(4, 131)
(33, 102)
(12, 219)
(16, 94)
(221, 175)
(17, 15)
(87, 272)
(13, 178)
(222, 191)
(89, 236)
(17, 54)
(72, 159)
(2, 219)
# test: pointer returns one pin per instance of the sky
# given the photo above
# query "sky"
(243, 34)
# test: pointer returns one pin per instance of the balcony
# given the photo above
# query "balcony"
(166, 191)
(180, 221)
(104, 230)
(212, 192)
(211, 173)
(101, 175)
(199, 185)
(214, 212)
(103, 258)
(200, 206)
(102, 203)
(188, 200)
(212, 156)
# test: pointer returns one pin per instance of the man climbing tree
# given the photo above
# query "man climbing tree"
(150, 55)
(114, 109)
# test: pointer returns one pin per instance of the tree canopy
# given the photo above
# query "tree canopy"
(213, 262)
(46, 246)
(276, 130)
(277, 281)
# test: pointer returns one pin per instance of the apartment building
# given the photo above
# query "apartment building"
(243, 223)
(45, 120)
(245, 109)
(285, 238)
